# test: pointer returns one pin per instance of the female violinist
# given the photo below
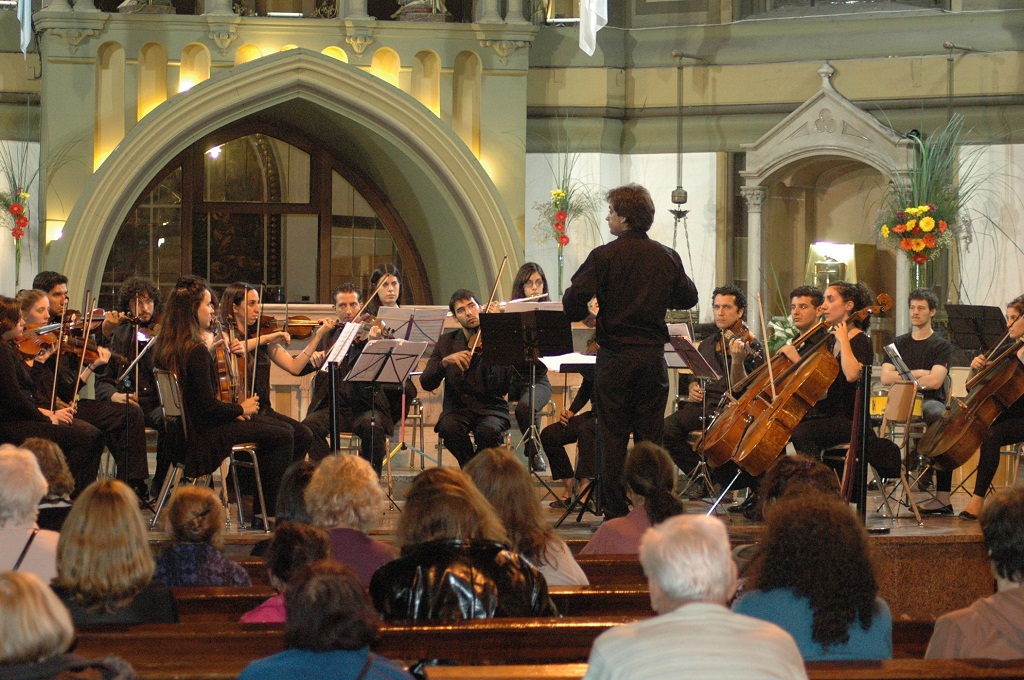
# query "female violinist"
(1007, 429)
(21, 417)
(240, 311)
(213, 426)
(123, 428)
(829, 422)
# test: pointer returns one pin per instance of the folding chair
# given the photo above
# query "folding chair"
(899, 412)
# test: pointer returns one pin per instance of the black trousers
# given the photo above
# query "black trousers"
(580, 430)
(630, 393)
(81, 443)
(301, 434)
(124, 431)
(488, 429)
(372, 427)
(1004, 431)
(274, 444)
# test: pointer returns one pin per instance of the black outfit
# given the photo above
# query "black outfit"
(20, 419)
(124, 342)
(213, 427)
(474, 401)
(123, 428)
(459, 579)
(362, 409)
(1006, 429)
(687, 419)
(830, 422)
(934, 350)
(153, 604)
(635, 279)
(581, 428)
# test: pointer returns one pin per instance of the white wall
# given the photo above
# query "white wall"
(16, 151)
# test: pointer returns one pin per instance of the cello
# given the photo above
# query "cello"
(799, 388)
(952, 440)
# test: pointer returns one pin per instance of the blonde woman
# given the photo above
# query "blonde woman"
(23, 545)
(506, 483)
(36, 631)
(104, 565)
(195, 519)
(345, 499)
(455, 563)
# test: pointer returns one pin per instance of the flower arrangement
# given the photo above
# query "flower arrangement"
(920, 232)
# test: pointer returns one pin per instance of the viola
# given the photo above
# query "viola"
(227, 376)
(798, 389)
(951, 441)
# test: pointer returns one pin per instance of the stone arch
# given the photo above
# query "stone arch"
(457, 218)
(827, 130)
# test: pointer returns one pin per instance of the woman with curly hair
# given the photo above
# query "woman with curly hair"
(651, 477)
(104, 564)
(344, 498)
(195, 519)
(813, 576)
(56, 504)
(506, 483)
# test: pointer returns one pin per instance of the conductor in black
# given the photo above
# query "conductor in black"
(635, 280)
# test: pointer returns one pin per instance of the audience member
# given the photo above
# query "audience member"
(195, 519)
(104, 564)
(344, 497)
(293, 546)
(692, 577)
(506, 483)
(813, 575)
(56, 504)
(993, 627)
(651, 477)
(791, 476)
(330, 625)
(454, 562)
(291, 501)
(36, 631)
(23, 545)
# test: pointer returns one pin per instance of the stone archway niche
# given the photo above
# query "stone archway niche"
(457, 219)
(826, 144)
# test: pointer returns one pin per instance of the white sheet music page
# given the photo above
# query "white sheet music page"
(339, 350)
(554, 363)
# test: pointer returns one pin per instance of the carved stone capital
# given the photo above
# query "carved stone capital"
(223, 29)
(504, 48)
(754, 196)
(359, 39)
(75, 29)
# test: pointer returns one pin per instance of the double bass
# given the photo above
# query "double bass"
(952, 440)
(798, 388)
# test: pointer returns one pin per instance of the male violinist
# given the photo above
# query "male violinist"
(361, 409)
(474, 394)
(128, 330)
(636, 280)
(732, 358)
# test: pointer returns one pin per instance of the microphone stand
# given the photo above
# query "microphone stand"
(124, 381)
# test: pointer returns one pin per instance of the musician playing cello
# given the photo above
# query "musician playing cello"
(1008, 428)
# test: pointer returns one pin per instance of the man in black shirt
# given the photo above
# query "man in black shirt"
(635, 280)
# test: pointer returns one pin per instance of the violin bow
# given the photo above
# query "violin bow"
(259, 333)
(767, 349)
(56, 365)
(81, 360)
(490, 299)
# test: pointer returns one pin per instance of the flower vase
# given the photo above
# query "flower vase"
(561, 268)
(920, 275)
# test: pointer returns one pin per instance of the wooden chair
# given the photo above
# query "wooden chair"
(896, 425)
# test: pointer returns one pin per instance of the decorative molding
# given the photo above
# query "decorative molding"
(223, 29)
(79, 28)
(754, 196)
(360, 39)
(505, 48)
(825, 122)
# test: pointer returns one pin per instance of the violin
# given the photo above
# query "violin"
(86, 349)
(75, 323)
(370, 322)
(36, 339)
(227, 377)
(746, 337)
(299, 327)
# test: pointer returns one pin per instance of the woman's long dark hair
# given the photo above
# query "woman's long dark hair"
(179, 326)
(814, 545)
(857, 293)
(379, 273)
(522, 276)
(649, 472)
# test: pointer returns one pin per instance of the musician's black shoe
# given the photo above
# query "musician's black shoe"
(970, 516)
(749, 504)
(946, 510)
(539, 463)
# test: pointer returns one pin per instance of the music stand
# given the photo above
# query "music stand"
(518, 339)
(385, 362)
(975, 327)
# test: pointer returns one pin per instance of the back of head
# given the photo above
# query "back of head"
(814, 545)
(650, 474)
(1002, 524)
(795, 475)
(34, 625)
(22, 486)
(196, 515)
(292, 547)
(291, 497)
(103, 554)
(327, 609)
(443, 503)
(506, 484)
(53, 465)
(634, 203)
(345, 492)
(10, 314)
(690, 560)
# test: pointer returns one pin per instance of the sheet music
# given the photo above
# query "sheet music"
(339, 350)
(901, 366)
(554, 363)
(423, 324)
(386, 361)
(672, 357)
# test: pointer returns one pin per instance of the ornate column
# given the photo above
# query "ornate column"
(754, 196)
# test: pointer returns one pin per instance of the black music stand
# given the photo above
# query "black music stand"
(975, 327)
(704, 372)
(520, 339)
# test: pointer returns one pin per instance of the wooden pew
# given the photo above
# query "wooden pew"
(226, 604)
(896, 669)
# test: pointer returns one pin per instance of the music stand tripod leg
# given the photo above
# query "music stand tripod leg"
(532, 436)
(727, 489)
(701, 471)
